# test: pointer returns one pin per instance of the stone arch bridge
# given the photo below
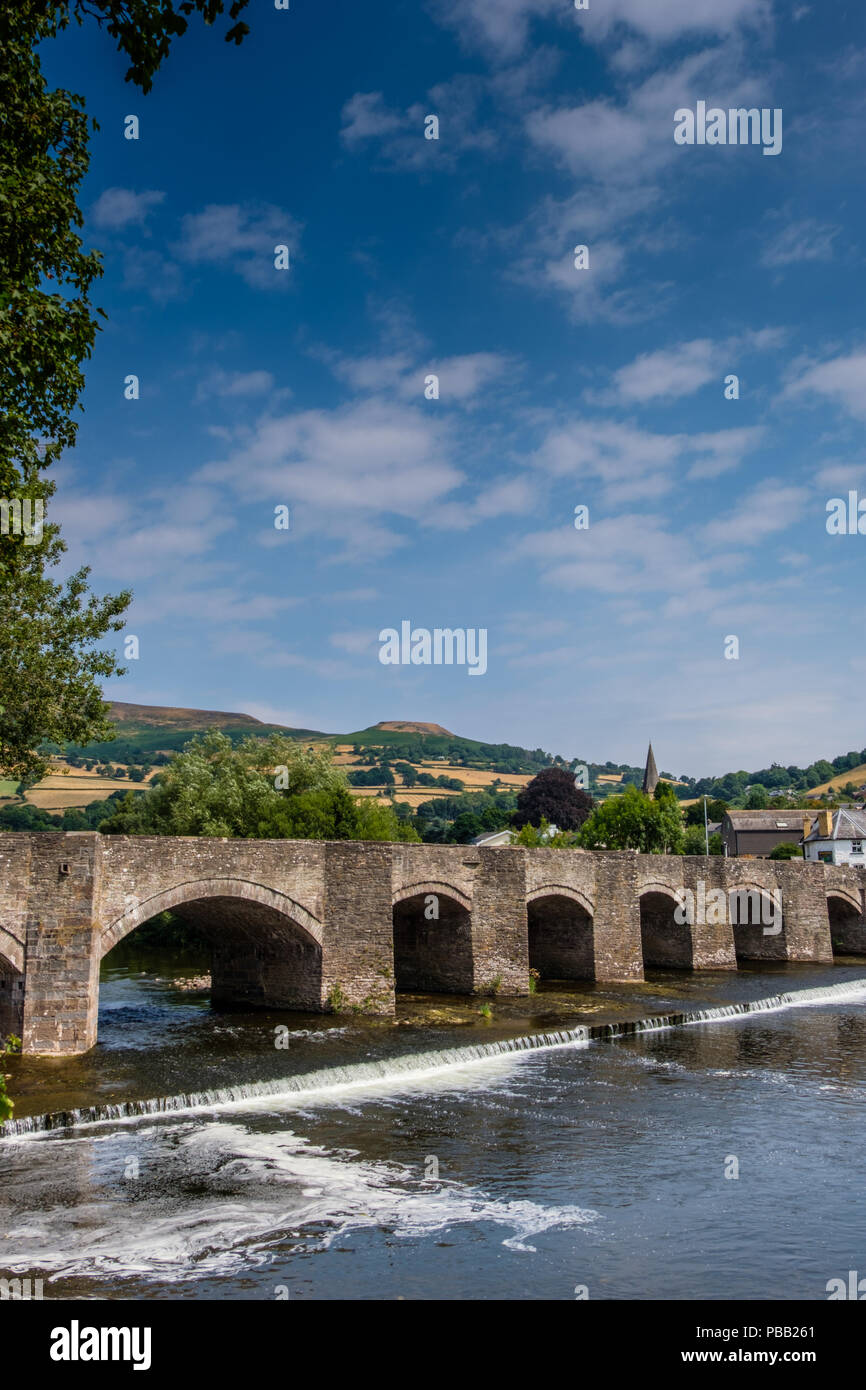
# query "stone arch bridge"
(313, 925)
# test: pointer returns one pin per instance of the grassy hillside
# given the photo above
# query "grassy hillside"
(855, 775)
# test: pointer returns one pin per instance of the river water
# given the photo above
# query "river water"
(721, 1157)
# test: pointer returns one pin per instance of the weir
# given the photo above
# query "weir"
(338, 926)
(415, 1066)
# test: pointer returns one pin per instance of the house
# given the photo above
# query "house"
(493, 837)
(754, 834)
(837, 837)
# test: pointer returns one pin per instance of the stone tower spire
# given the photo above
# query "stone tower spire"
(651, 775)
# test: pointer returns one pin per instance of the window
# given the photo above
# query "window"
(825, 856)
(856, 846)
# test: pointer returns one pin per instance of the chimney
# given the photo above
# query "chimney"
(825, 825)
(807, 826)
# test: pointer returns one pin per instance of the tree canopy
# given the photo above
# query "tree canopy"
(50, 661)
(634, 821)
(552, 796)
(263, 789)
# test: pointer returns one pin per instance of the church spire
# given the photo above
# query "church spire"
(651, 775)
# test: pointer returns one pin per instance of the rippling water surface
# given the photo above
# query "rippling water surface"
(516, 1174)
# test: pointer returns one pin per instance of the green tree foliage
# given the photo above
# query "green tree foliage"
(7, 1105)
(552, 796)
(7, 1046)
(216, 787)
(50, 661)
(27, 817)
(758, 798)
(464, 828)
(694, 815)
(539, 837)
(634, 821)
(787, 850)
(694, 841)
(375, 777)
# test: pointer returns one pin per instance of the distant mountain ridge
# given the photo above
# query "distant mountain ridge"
(169, 717)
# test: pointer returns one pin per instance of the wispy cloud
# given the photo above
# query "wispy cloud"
(119, 208)
(241, 238)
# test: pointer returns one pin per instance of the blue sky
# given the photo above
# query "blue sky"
(559, 386)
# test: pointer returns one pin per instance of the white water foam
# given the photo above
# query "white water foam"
(287, 1196)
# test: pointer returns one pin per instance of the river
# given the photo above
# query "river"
(445, 1154)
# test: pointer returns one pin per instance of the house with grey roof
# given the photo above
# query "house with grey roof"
(837, 837)
(494, 837)
(753, 834)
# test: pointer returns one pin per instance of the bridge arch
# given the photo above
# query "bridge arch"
(561, 940)
(437, 889)
(847, 923)
(562, 890)
(666, 943)
(202, 890)
(11, 988)
(11, 950)
(433, 947)
(266, 949)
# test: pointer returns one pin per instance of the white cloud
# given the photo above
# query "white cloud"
(461, 378)
(720, 451)
(840, 379)
(669, 373)
(125, 541)
(622, 151)
(400, 135)
(240, 237)
(342, 470)
(502, 30)
(634, 464)
(663, 21)
(807, 240)
(234, 384)
(365, 117)
(620, 556)
(357, 643)
(770, 507)
(118, 208)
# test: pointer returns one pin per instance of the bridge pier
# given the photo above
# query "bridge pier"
(61, 992)
(616, 920)
(358, 933)
(500, 941)
(804, 911)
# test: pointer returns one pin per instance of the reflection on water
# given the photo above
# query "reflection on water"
(600, 1164)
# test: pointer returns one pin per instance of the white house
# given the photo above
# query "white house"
(494, 837)
(837, 837)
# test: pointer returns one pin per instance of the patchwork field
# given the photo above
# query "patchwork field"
(77, 787)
